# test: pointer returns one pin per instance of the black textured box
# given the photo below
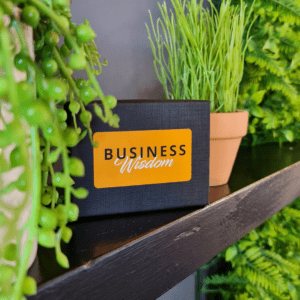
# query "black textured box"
(150, 115)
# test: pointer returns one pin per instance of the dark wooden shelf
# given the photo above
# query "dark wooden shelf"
(142, 256)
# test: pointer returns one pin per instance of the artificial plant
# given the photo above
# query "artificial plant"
(38, 133)
(265, 264)
(199, 52)
(270, 85)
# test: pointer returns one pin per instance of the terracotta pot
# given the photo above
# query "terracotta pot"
(218, 192)
(226, 132)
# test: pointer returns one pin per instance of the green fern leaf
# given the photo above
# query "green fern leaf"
(288, 8)
(224, 279)
(283, 264)
(279, 84)
(257, 97)
(291, 212)
(230, 253)
(261, 59)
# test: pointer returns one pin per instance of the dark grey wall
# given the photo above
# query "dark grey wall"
(185, 290)
(123, 40)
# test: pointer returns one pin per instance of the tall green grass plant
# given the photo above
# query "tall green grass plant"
(199, 53)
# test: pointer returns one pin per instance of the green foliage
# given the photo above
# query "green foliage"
(200, 52)
(265, 264)
(34, 133)
(270, 85)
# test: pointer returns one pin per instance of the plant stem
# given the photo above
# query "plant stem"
(87, 51)
(35, 206)
(53, 16)
(24, 49)
(13, 97)
(63, 67)
(67, 174)
(45, 163)
(21, 35)
(98, 90)
(53, 189)
(5, 45)
(73, 115)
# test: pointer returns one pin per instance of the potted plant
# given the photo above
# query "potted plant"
(34, 129)
(205, 59)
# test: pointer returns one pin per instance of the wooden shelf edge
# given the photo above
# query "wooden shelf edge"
(150, 266)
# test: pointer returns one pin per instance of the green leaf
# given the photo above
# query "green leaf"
(257, 111)
(46, 238)
(243, 245)
(231, 252)
(80, 193)
(82, 135)
(61, 213)
(66, 234)
(98, 111)
(114, 121)
(257, 97)
(73, 212)
(62, 180)
(4, 167)
(76, 167)
(9, 188)
(295, 61)
(2, 219)
(62, 260)
(7, 273)
(10, 252)
(54, 155)
(252, 129)
(5, 139)
(270, 119)
(271, 46)
(293, 291)
(289, 135)
(29, 286)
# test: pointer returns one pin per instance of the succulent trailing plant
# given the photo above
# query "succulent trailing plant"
(264, 264)
(270, 85)
(200, 52)
(37, 132)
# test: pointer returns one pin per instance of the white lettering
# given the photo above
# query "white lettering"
(129, 165)
(137, 162)
(167, 161)
(123, 167)
(142, 164)
(150, 163)
(157, 164)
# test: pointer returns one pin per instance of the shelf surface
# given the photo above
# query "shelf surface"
(143, 255)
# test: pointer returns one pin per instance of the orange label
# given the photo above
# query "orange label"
(142, 157)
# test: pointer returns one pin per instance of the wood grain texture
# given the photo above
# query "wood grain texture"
(150, 266)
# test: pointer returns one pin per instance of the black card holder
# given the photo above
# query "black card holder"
(149, 115)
